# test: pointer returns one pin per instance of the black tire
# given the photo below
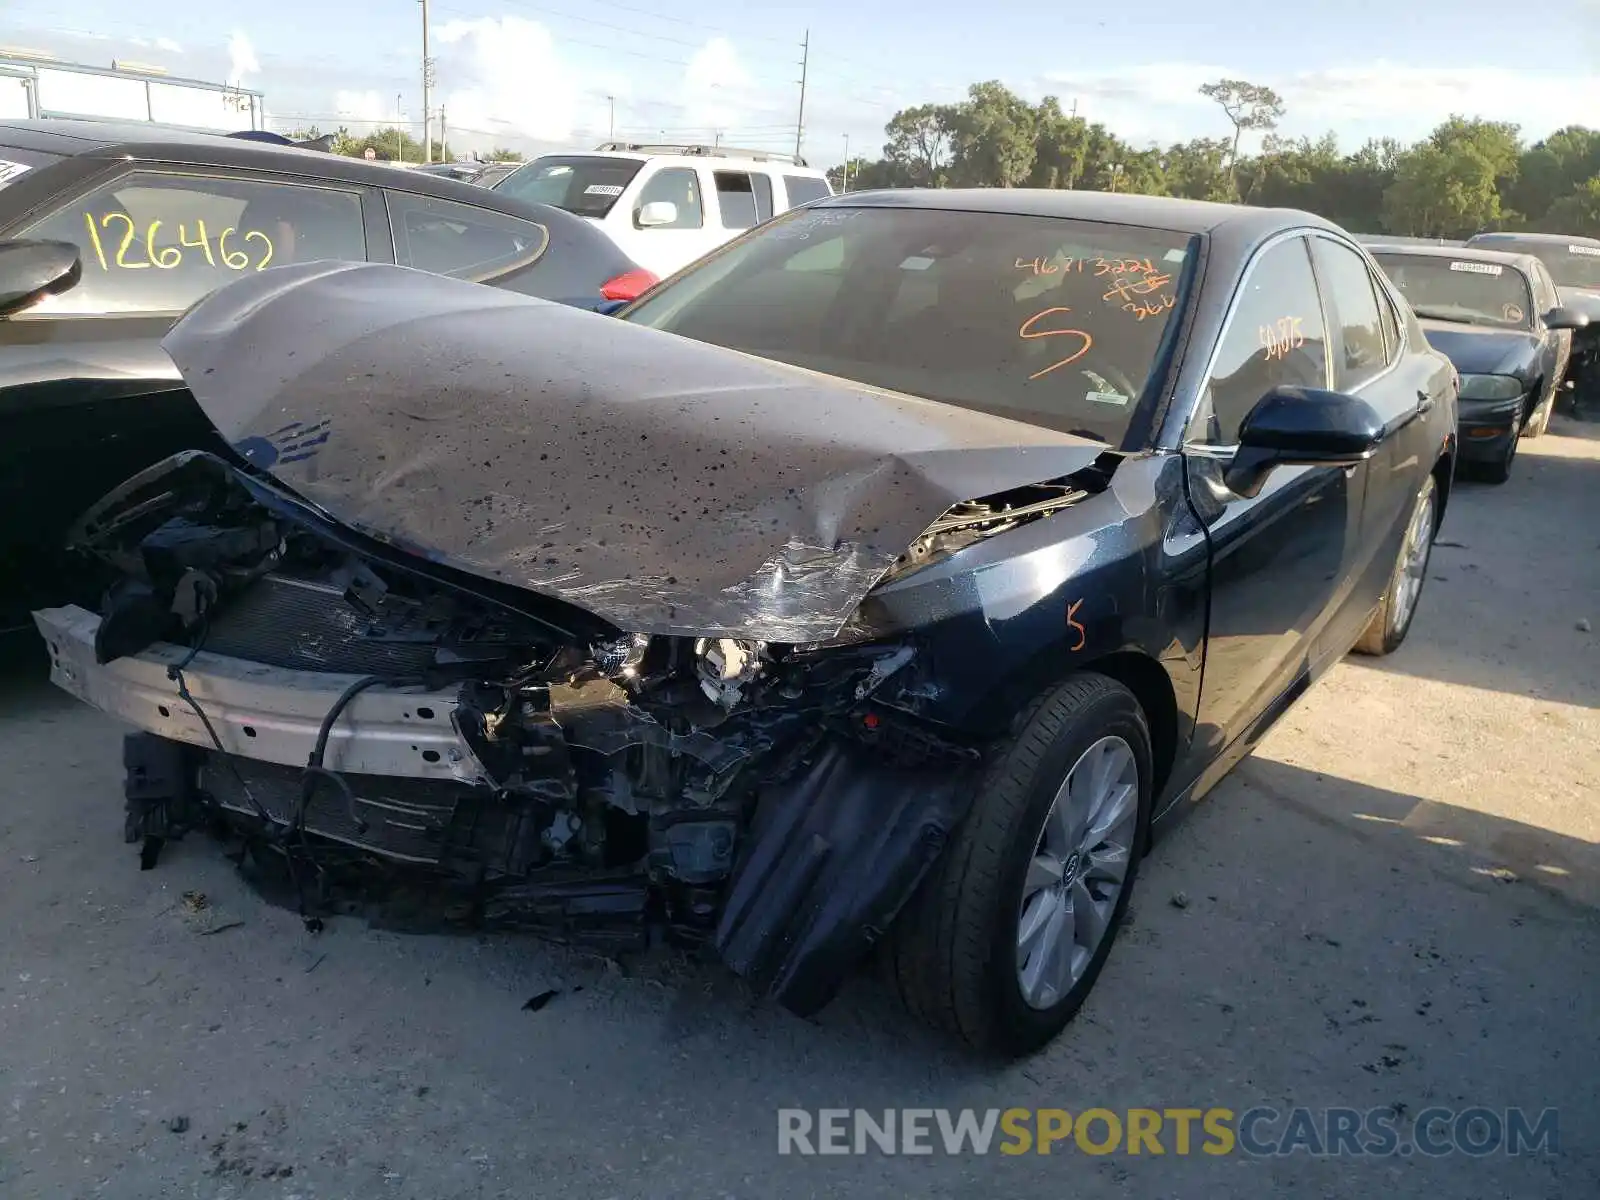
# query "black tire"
(1382, 635)
(952, 951)
(1540, 420)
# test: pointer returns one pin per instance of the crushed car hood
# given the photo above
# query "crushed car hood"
(666, 485)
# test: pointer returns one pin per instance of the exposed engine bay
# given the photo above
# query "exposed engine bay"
(776, 802)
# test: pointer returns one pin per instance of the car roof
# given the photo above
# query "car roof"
(1544, 239)
(728, 162)
(154, 143)
(1526, 263)
(1157, 212)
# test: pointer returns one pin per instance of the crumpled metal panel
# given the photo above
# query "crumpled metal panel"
(666, 485)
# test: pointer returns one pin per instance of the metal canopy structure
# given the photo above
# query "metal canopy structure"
(34, 85)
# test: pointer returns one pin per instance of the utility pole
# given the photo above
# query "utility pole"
(845, 184)
(444, 145)
(427, 88)
(611, 105)
(800, 121)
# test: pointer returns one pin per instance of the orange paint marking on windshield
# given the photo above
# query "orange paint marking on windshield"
(1050, 266)
(1150, 308)
(1028, 332)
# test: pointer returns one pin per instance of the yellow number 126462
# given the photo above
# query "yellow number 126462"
(168, 257)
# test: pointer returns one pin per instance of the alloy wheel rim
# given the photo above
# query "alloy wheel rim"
(1078, 871)
(1413, 561)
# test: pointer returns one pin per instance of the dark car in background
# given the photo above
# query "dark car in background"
(1574, 264)
(1498, 318)
(886, 576)
(160, 218)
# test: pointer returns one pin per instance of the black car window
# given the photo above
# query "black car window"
(1572, 264)
(1466, 289)
(1056, 322)
(737, 200)
(803, 189)
(1348, 287)
(678, 186)
(1390, 320)
(1276, 337)
(585, 184)
(156, 243)
(448, 238)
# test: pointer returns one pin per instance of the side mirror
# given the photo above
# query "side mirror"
(1562, 317)
(1294, 426)
(30, 271)
(656, 214)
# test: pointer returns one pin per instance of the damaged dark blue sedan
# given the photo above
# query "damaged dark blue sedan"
(881, 583)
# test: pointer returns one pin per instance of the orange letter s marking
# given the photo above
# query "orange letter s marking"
(1083, 635)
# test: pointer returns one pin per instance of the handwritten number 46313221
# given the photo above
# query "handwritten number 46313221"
(169, 257)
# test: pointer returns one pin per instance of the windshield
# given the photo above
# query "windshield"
(580, 183)
(1464, 290)
(16, 162)
(1055, 322)
(1574, 265)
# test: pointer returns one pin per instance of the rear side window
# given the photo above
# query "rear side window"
(803, 189)
(1275, 338)
(156, 243)
(580, 183)
(743, 199)
(679, 187)
(1358, 352)
(454, 239)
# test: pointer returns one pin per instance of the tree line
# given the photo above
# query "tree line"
(391, 145)
(1468, 175)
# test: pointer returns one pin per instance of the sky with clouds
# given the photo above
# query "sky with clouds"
(540, 75)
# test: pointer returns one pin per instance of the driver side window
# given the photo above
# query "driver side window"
(1276, 337)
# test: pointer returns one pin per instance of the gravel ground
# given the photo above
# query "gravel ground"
(1394, 902)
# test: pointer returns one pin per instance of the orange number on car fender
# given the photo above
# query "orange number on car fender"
(1027, 331)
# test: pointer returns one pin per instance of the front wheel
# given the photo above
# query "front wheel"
(1540, 421)
(1006, 937)
(1392, 621)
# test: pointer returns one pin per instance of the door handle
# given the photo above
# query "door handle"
(1424, 401)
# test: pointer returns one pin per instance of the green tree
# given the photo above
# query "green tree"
(1061, 146)
(501, 154)
(1197, 169)
(919, 144)
(1248, 106)
(1442, 193)
(1578, 212)
(992, 138)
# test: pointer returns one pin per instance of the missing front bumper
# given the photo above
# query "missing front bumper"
(270, 714)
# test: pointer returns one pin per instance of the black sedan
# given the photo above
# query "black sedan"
(1498, 318)
(160, 218)
(893, 573)
(1574, 264)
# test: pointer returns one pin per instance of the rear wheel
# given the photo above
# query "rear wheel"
(1005, 939)
(1392, 621)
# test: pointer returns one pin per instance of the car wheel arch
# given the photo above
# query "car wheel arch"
(1132, 666)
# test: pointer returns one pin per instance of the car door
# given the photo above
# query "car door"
(86, 381)
(1556, 351)
(665, 249)
(1369, 359)
(1277, 560)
